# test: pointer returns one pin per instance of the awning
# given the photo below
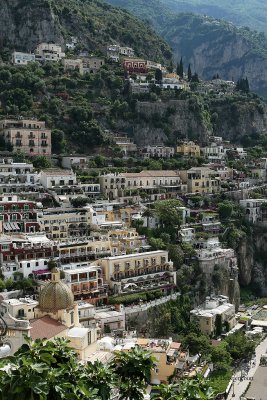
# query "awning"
(11, 226)
(41, 272)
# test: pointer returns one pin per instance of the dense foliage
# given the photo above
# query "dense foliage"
(50, 370)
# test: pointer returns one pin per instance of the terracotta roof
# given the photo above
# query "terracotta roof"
(45, 328)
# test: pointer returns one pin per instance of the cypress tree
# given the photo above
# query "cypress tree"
(189, 73)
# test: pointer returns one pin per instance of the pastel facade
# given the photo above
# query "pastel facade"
(29, 136)
(139, 271)
(188, 149)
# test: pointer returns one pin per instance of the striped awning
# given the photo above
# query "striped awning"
(11, 226)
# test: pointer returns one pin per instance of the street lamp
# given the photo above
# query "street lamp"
(233, 394)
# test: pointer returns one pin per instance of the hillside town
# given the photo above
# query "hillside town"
(89, 250)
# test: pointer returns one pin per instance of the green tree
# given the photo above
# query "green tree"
(220, 357)
(41, 162)
(77, 202)
(158, 75)
(239, 346)
(169, 213)
(225, 210)
(197, 343)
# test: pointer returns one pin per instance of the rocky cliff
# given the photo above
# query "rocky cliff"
(197, 117)
(215, 47)
(252, 256)
(24, 24)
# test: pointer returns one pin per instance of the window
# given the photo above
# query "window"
(89, 338)
(72, 318)
(26, 207)
(28, 265)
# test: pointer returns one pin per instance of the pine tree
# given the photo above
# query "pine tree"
(189, 73)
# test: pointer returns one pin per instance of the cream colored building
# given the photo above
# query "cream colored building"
(140, 271)
(49, 52)
(29, 136)
(83, 249)
(155, 185)
(188, 149)
(73, 65)
(63, 223)
(213, 309)
(202, 180)
(92, 64)
(86, 282)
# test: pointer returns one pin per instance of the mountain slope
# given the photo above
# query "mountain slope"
(25, 24)
(251, 13)
(211, 46)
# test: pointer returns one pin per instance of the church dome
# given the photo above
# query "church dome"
(56, 295)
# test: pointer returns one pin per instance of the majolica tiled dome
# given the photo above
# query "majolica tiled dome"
(56, 295)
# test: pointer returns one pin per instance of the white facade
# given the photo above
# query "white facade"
(74, 161)
(186, 235)
(214, 152)
(253, 209)
(52, 177)
(157, 152)
(19, 58)
(210, 253)
(110, 320)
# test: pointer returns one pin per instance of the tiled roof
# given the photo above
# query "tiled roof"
(45, 328)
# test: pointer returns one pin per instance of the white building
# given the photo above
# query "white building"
(213, 308)
(186, 235)
(19, 58)
(157, 152)
(253, 209)
(16, 172)
(69, 162)
(109, 321)
(49, 52)
(51, 178)
(210, 253)
(127, 51)
(214, 152)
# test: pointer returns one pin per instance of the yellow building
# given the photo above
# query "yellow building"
(166, 353)
(202, 180)
(188, 149)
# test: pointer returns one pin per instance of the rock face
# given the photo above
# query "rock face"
(25, 24)
(252, 260)
(213, 49)
(174, 119)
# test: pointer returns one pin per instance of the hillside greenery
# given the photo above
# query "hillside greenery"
(95, 23)
(80, 109)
